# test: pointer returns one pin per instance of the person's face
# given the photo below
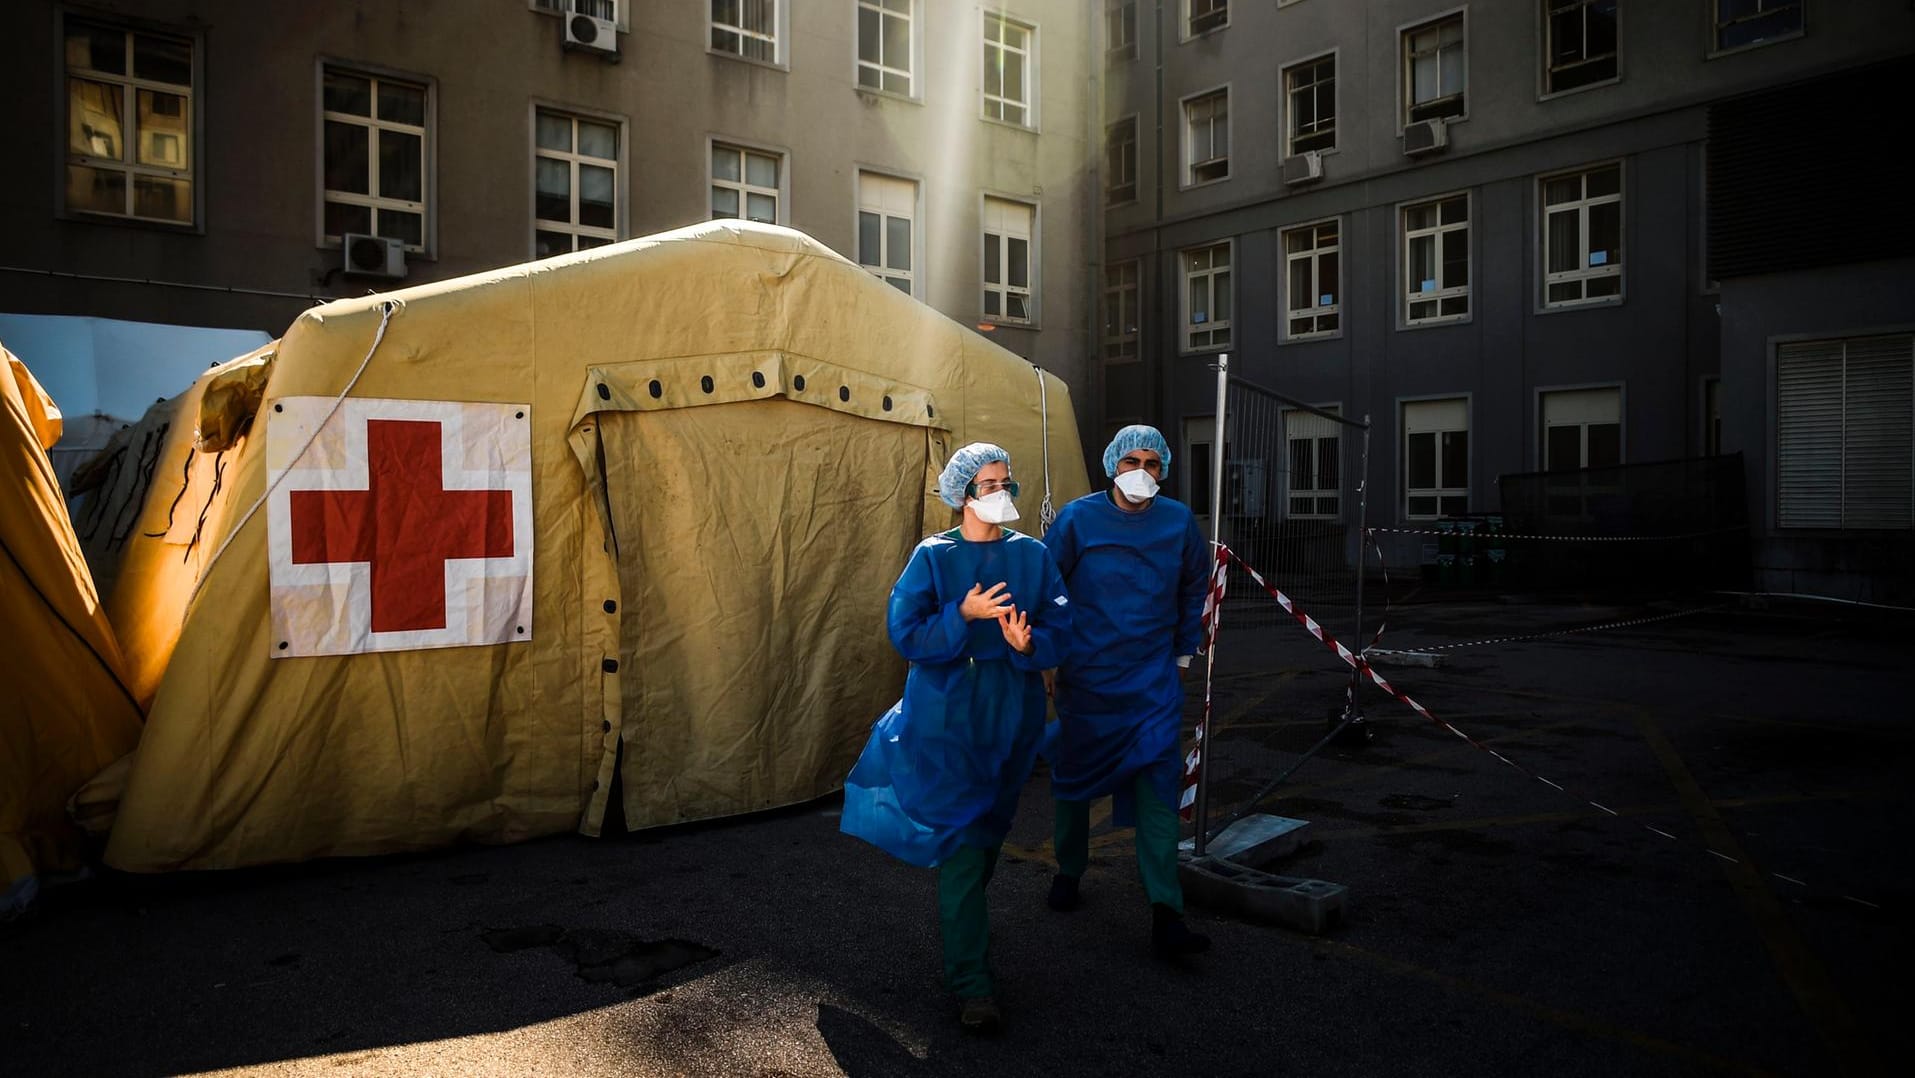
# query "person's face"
(990, 479)
(1148, 460)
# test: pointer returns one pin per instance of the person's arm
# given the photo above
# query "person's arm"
(1049, 624)
(923, 629)
(1193, 583)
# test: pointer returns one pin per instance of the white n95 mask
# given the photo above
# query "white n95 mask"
(1137, 485)
(995, 507)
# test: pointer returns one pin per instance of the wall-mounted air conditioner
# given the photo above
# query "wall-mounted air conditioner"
(592, 26)
(1305, 167)
(372, 256)
(1427, 136)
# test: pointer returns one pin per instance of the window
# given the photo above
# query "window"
(1582, 237)
(1579, 44)
(1433, 69)
(1120, 162)
(1845, 433)
(1203, 16)
(887, 210)
(1311, 266)
(1313, 442)
(1582, 428)
(747, 28)
(1120, 29)
(575, 185)
(745, 183)
(375, 131)
(1436, 458)
(597, 9)
(1311, 91)
(1010, 51)
(129, 123)
(1207, 298)
(1436, 260)
(1742, 23)
(1008, 233)
(885, 45)
(1121, 312)
(1207, 138)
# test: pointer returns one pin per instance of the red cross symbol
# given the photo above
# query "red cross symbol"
(406, 524)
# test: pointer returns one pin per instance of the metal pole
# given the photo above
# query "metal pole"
(1353, 725)
(1217, 444)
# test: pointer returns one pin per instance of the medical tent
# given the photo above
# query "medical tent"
(433, 565)
(65, 712)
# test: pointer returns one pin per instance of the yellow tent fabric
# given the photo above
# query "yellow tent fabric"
(64, 713)
(735, 441)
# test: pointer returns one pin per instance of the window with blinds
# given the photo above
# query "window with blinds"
(1845, 433)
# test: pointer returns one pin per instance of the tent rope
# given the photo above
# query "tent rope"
(386, 310)
(1046, 512)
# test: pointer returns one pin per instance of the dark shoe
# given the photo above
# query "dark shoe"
(1063, 897)
(1171, 937)
(979, 1014)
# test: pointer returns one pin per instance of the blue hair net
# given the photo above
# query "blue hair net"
(1135, 436)
(964, 467)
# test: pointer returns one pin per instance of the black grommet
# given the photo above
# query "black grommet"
(276, 407)
(930, 411)
(887, 404)
(282, 645)
(844, 393)
(798, 383)
(518, 415)
(758, 379)
(657, 390)
(611, 607)
(610, 665)
(604, 393)
(705, 383)
(606, 726)
(521, 630)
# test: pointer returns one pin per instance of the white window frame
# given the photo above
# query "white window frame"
(1186, 277)
(1545, 24)
(914, 16)
(1003, 288)
(866, 203)
(778, 37)
(1406, 69)
(620, 203)
(1120, 15)
(1542, 425)
(1190, 10)
(1129, 162)
(714, 143)
(1409, 297)
(1313, 258)
(1291, 490)
(986, 20)
(428, 209)
(1287, 107)
(1125, 344)
(1190, 163)
(1836, 448)
(1715, 46)
(1612, 263)
(1441, 490)
(127, 163)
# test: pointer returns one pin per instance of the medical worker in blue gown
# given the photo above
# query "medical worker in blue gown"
(979, 612)
(1137, 568)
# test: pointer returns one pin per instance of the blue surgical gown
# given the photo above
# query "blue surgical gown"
(945, 764)
(1137, 584)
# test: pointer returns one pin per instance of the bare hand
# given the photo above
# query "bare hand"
(980, 604)
(1050, 683)
(1017, 631)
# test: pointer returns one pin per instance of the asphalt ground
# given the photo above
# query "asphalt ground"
(1495, 925)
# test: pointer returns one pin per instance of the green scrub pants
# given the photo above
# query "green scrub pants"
(1156, 843)
(965, 921)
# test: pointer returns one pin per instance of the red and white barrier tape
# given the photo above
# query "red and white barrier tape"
(1358, 663)
(1213, 613)
(1567, 632)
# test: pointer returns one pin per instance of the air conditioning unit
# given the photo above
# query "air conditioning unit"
(591, 32)
(1306, 167)
(1427, 136)
(373, 256)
